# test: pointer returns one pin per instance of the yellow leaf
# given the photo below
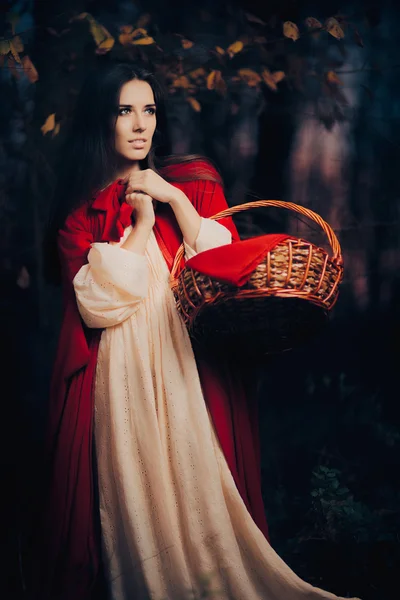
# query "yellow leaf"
(333, 27)
(200, 72)
(144, 41)
(291, 31)
(220, 50)
(49, 124)
(144, 20)
(277, 76)
(195, 104)
(56, 130)
(18, 44)
(4, 47)
(182, 82)
(14, 52)
(125, 39)
(187, 44)
(312, 23)
(133, 36)
(29, 69)
(211, 79)
(235, 48)
(101, 36)
(250, 77)
(139, 31)
(269, 79)
(332, 77)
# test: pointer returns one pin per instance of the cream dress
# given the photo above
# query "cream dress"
(173, 522)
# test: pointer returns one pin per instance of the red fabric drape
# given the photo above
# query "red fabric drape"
(234, 263)
(66, 563)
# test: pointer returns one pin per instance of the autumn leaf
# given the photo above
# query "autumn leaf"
(333, 27)
(195, 104)
(250, 77)
(29, 69)
(14, 52)
(211, 79)
(235, 48)
(143, 20)
(126, 28)
(103, 39)
(197, 73)
(144, 41)
(220, 50)
(271, 79)
(312, 23)
(278, 76)
(186, 44)
(4, 47)
(56, 130)
(182, 82)
(49, 124)
(291, 31)
(332, 77)
(216, 82)
(127, 38)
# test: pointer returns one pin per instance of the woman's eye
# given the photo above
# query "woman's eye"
(121, 111)
(152, 110)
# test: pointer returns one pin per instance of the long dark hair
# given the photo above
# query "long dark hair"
(87, 160)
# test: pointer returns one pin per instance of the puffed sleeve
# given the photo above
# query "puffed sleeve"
(111, 287)
(211, 235)
(109, 282)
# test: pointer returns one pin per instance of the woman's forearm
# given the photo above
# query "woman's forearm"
(137, 239)
(187, 216)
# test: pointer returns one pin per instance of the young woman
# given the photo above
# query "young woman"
(154, 450)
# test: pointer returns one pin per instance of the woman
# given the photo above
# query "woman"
(146, 437)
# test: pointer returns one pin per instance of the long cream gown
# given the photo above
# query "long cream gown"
(171, 515)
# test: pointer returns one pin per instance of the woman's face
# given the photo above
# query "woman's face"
(136, 121)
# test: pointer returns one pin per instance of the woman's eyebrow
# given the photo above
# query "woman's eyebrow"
(130, 105)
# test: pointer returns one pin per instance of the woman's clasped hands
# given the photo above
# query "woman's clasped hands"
(145, 187)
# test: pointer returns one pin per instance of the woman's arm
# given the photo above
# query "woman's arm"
(188, 218)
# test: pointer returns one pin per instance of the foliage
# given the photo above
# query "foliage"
(245, 51)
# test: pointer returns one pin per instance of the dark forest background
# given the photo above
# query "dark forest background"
(293, 100)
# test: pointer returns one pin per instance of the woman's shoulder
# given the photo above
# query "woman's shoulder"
(191, 170)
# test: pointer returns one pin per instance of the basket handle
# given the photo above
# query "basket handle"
(333, 241)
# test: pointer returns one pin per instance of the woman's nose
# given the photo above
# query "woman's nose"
(139, 123)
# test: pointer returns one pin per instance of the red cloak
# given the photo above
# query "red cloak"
(70, 548)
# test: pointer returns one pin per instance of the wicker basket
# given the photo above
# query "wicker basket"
(286, 300)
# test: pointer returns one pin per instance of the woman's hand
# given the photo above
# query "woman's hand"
(143, 208)
(149, 182)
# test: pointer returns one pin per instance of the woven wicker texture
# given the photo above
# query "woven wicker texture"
(286, 300)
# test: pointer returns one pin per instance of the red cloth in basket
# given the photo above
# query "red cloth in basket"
(234, 263)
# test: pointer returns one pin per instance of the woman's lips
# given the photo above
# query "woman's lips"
(138, 144)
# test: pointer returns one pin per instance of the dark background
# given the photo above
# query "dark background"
(329, 411)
